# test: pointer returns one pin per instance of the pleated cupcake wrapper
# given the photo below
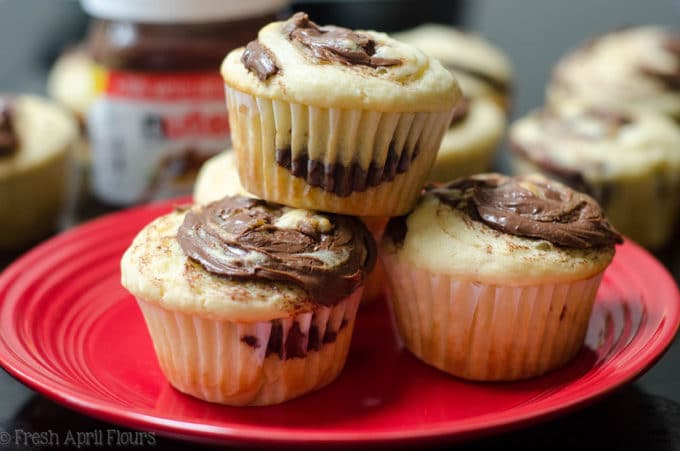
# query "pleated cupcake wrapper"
(489, 332)
(215, 360)
(657, 195)
(357, 147)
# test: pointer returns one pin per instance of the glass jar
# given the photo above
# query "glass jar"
(160, 111)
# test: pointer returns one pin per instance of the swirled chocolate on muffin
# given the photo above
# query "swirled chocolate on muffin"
(244, 238)
(531, 208)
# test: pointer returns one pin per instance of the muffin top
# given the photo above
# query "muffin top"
(32, 130)
(505, 230)
(245, 260)
(597, 144)
(476, 63)
(299, 61)
(632, 67)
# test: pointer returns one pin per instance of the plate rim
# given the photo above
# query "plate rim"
(476, 427)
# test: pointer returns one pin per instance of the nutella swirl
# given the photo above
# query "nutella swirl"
(259, 59)
(532, 207)
(9, 141)
(244, 238)
(335, 44)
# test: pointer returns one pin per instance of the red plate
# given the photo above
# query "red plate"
(70, 331)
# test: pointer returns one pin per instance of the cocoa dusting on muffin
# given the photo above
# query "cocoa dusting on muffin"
(531, 207)
(9, 140)
(259, 59)
(335, 44)
(247, 239)
(343, 180)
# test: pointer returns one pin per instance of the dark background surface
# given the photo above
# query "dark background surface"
(534, 33)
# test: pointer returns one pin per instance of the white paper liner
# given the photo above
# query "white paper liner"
(328, 136)
(655, 194)
(209, 359)
(488, 332)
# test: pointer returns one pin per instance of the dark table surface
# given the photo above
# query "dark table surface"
(644, 415)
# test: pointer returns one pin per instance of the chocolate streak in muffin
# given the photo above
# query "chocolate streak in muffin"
(9, 141)
(526, 207)
(344, 180)
(248, 239)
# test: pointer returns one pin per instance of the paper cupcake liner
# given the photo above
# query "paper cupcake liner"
(655, 194)
(260, 363)
(489, 332)
(343, 161)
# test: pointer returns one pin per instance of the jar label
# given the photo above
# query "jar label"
(151, 132)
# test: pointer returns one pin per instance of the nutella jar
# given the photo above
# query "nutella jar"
(160, 111)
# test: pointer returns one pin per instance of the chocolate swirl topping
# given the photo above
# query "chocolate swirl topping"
(259, 59)
(335, 44)
(243, 238)
(531, 207)
(9, 141)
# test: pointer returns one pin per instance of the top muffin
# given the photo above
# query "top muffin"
(301, 62)
(631, 68)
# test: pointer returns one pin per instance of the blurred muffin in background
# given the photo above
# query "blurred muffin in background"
(485, 77)
(71, 84)
(36, 138)
(629, 161)
(481, 68)
(636, 67)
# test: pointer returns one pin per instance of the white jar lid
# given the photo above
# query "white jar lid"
(180, 11)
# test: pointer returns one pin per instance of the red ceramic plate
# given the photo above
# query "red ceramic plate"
(70, 331)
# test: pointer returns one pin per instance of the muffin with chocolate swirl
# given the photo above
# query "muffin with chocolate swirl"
(628, 161)
(333, 119)
(632, 68)
(218, 177)
(36, 139)
(494, 277)
(249, 303)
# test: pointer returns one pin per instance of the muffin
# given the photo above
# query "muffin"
(71, 84)
(637, 67)
(219, 177)
(36, 138)
(494, 278)
(481, 68)
(628, 161)
(249, 303)
(336, 120)
(470, 143)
